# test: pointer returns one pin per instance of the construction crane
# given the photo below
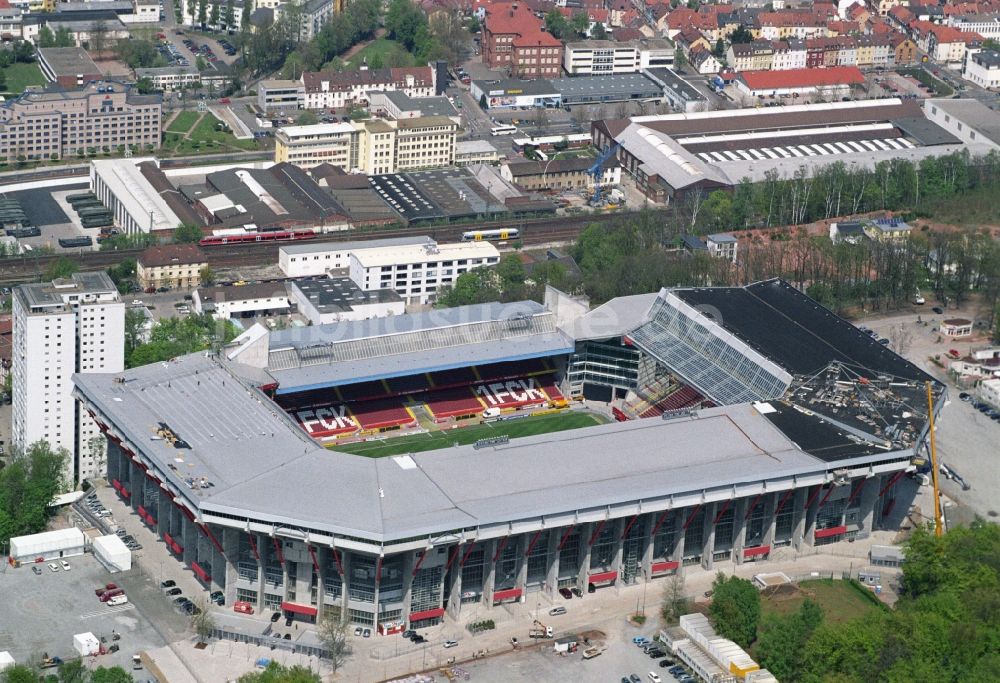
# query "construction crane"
(595, 171)
(938, 519)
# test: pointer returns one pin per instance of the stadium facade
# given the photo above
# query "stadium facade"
(769, 422)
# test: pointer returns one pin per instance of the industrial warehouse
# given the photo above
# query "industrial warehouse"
(747, 419)
(672, 155)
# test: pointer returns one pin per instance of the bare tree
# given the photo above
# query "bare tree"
(900, 338)
(203, 622)
(332, 633)
(675, 602)
(540, 117)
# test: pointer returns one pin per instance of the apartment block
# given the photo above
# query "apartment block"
(103, 115)
(372, 147)
(417, 272)
(67, 326)
(337, 89)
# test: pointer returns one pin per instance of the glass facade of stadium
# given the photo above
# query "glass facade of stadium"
(417, 581)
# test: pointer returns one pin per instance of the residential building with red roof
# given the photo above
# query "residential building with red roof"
(335, 89)
(944, 43)
(515, 39)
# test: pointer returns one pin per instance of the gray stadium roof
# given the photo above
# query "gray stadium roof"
(262, 466)
(341, 353)
(611, 319)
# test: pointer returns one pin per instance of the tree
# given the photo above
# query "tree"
(720, 48)
(188, 233)
(599, 32)
(203, 622)
(99, 36)
(115, 674)
(579, 23)
(229, 16)
(245, 15)
(511, 273)
(675, 602)
(213, 17)
(145, 86)
(192, 8)
(172, 337)
(63, 37)
(740, 36)
(24, 51)
(782, 638)
(207, 276)
(19, 673)
(202, 12)
(680, 59)
(61, 268)
(28, 483)
(276, 673)
(475, 287)
(735, 609)
(73, 671)
(307, 118)
(403, 21)
(45, 37)
(556, 24)
(135, 320)
(332, 634)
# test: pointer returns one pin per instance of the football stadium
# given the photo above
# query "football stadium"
(401, 470)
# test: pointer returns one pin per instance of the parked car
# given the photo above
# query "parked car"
(566, 593)
(65, 565)
(450, 643)
(357, 631)
(654, 677)
(634, 678)
(218, 597)
(938, 310)
(36, 569)
(418, 639)
(409, 633)
(174, 591)
(556, 611)
(367, 633)
(275, 617)
(641, 641)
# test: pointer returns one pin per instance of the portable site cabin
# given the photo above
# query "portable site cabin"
(112, 552)
(49, 545)
(86, 644)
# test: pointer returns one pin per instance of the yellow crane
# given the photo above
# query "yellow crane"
(938, 519)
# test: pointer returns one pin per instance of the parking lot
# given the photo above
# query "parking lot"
(620, 660)
(42, 612)
(47, 210)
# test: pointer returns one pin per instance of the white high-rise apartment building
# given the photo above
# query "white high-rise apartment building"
(72, 325)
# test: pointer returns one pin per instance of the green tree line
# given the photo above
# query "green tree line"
(30, 481)
(172, 337)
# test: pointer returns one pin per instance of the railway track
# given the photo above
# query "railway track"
(29, 268)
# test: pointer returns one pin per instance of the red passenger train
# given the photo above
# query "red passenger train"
(276, 236)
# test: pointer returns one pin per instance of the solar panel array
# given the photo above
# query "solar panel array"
(810, 150)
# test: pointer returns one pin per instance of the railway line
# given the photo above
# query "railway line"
(30, 267)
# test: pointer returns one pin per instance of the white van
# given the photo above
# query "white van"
(117, 600)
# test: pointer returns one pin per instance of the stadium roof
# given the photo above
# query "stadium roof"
(262, 466)
(301, 359)
(612, 319)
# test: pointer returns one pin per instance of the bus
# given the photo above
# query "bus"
(503, 130)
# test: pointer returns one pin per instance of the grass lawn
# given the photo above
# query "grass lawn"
(19, 76)
(388, 52)
(205, 138)
(182, 122)
(840, 600)
(431, 441)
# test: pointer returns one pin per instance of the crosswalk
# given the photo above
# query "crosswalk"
(107, 610)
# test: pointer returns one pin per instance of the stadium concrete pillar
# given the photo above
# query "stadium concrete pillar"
(113, 461)
(230, 541)
(522, 561)
(708, 536)
(163, 508)
(867, 502)
(740, 507)
(320, 570)
(340, 603)
(489, 570)
(616, 553)
(454, 606)
(345, 561)
(802, 527)
(646, 546)
(260, 540)
(189, 532)
(136, 475)
(552, 562)
(583, 569)
(770, 503)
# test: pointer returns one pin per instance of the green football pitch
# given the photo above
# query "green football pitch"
(430, 441)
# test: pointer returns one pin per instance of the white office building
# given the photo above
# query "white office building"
(602, 57)
(417, 272)
(311, 260)
(73, 325)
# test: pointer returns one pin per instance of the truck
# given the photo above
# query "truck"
(540, 630)
(592, 652)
